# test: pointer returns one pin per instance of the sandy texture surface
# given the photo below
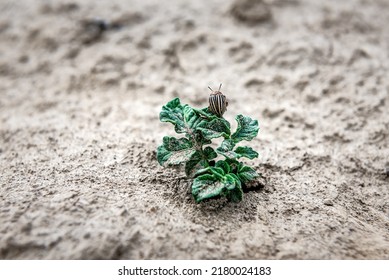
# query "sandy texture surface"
(79, 126)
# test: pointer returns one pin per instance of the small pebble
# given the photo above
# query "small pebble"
(208, 230)
(387, 170)
(328, 202)
(251, 11)
(271, 209)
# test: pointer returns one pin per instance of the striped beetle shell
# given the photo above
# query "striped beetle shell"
(217, 102)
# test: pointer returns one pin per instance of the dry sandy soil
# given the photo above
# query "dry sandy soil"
(81, 88)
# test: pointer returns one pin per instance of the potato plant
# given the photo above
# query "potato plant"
(212, 178)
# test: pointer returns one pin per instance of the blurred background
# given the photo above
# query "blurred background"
(81, 87)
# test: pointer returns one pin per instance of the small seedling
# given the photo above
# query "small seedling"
(212, 178)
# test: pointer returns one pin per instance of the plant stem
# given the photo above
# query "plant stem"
(197, 145)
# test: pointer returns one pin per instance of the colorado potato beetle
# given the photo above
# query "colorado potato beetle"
(217, 102)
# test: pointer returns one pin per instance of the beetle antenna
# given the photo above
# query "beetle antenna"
(220, 87)
(210, 88)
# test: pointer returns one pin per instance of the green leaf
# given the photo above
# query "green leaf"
(215, 128)
(247, 129)
(233, 163)
(174, 151)
(205, 114)
(235, 194)
(246, 173)
(223, 165)
(246, 152)
(218, 172)
(237, 153)
(173, 112)
(184, 118)
(207, 186)
(216, 184)
(195, 162)
(199, 138)
(226, 147)
(198, 160)
(202, 171)
(210, 153)
(191, 118)
(174, 144)
(230, 181)
(212, 170)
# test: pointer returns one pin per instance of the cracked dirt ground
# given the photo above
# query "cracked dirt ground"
(81, 87)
